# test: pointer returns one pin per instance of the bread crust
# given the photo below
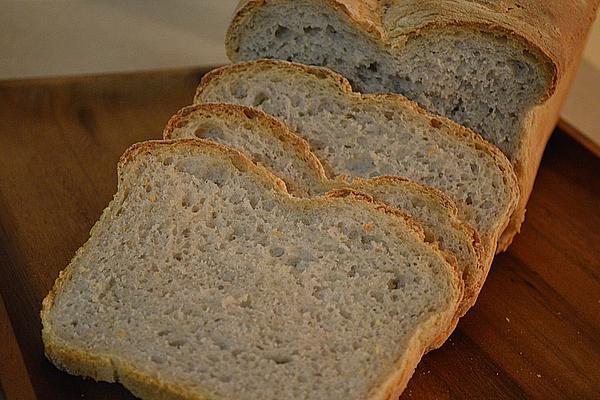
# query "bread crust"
(539, 125)
(109, 368)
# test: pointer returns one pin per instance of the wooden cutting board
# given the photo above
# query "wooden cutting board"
(534, 333)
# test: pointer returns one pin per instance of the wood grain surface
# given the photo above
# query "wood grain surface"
(534, 333)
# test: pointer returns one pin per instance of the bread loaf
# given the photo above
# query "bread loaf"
(489, 65)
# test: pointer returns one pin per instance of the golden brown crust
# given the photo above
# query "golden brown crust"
(394, 384)
(106, 368)
(540, 122)
(337, 81)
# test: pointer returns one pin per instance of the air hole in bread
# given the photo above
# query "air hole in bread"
(310, 30)
(280, 359)
(177, 343)
(282, 32)
(259, 100)
(277, 251)
(352, 273)
(208, 131)
(345, 314)
(395, 283)
(238, 91)
(317, 292)
(157, 359)
(378, 296)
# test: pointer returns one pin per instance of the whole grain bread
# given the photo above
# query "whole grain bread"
(489, 65)
(205, 279)
(267, 141)
(359, 135)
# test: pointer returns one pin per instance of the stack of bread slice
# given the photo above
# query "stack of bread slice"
(290, 238)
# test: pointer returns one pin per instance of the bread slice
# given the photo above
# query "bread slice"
(488, 65)
(373, 135)
(269, 142)
(205, 279)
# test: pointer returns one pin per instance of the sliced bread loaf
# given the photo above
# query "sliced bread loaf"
(488, 65)
(268, 142)
(367, 136)
(205, 279)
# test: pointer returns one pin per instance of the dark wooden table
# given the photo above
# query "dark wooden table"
(535, 332)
